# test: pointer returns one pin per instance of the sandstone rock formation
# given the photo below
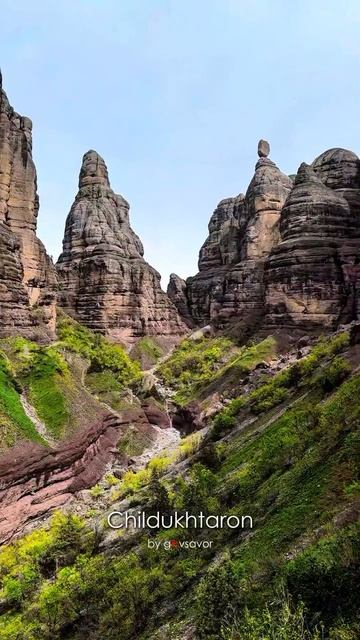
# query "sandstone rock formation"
(288, 250)
(19, 205)
(263, 149)
(35, 480)
(242, 232)
(313, 276)
(14, 302)
(176, 290)
(104, 281)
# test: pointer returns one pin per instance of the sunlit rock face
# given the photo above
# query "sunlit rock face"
(104, 281)
(312, 276)
(242, 232)
(19, 206)
(14, 301)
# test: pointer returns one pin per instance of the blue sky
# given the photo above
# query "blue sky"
(174, 94)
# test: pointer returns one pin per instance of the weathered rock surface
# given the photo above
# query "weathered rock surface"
(242, 232)
(176, 290)
(35, 480)
(263, 149)
(104, 281)
(188, 419)
(19, 206)
(14, 302)
(288, 250)
(155, 415)
(313, 276)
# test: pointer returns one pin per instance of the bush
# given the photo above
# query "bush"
(271, 398)
(333, 374)
(218, 596)
(198, 493)
(103, 355)
(223, 423)
(273, 622)
(193, 364)
(325, 575)
(96, 491)
(113, 357)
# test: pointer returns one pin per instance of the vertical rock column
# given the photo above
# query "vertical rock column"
(19, 206)
(104, 281)
(242, 232)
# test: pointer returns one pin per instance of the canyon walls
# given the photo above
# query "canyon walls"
(284, 255)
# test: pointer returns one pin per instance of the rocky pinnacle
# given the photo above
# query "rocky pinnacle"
(104, 281)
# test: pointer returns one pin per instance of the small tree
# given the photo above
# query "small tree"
(159, 500)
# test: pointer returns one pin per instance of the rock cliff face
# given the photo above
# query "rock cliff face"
(287, 253)
(242, 232)
(14, 302)
(313, 276)
(19, 206)
(176, 290)
(104, 281)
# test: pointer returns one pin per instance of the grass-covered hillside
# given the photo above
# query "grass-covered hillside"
(197, 363)
(286, 452)
(59, 386)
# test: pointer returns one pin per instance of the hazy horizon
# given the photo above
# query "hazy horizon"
(174, 97)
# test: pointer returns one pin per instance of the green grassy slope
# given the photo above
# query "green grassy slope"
(290, 461)
(14, 423)
(197, 364)
(57, 381)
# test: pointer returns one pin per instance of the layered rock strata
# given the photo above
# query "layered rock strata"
(19, 206)
(14, 302)
(177, 292)
(37, 480)
(104, 281)
(312, 277)
(242, 232)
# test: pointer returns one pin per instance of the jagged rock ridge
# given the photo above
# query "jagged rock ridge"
(19, 206)
(104, 281)
(242, 232)
(287, 253)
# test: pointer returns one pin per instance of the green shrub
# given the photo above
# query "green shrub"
(193, 364)
(96, 491)
(271, 398)
(218, 596)
(333, 374)
(325, 575)
(274, 622)
(103, 355)
(198, 493)
(222, 423)
(113, 357)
